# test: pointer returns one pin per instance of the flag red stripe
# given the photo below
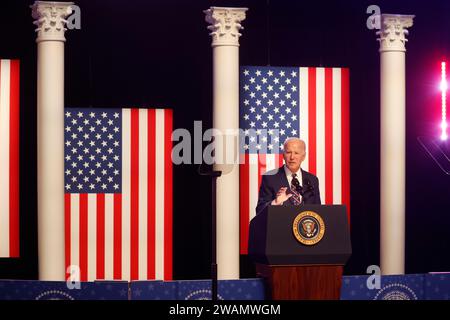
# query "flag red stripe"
(244, 202)
(329, 136)
(151, 195)
(0, 115)
(134, 201)
(345, 96)
(117, 236)
(67, 233)
(168, 195)
(312, 163)
(280, 160)
(83, 236)
(14, 160)
(100, 236)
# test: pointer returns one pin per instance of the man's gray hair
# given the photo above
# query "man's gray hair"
(289, 139)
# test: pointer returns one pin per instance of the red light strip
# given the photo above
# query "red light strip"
(444, 105)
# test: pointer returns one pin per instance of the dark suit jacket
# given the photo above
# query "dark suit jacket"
(273, 180)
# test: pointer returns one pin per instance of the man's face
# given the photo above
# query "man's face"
(294, 154)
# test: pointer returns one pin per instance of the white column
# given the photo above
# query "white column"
(392, 151)
(225, 26)
(50, 21)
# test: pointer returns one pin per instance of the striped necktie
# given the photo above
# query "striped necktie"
(296, 198)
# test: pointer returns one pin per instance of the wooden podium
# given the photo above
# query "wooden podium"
(294, 270)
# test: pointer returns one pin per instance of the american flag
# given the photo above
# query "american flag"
(281, 102)
(9, 158)
(118, 193)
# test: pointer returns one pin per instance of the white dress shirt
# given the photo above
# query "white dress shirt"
(289, 175)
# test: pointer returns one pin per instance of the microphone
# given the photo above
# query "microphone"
(211, 172)
(308, 187)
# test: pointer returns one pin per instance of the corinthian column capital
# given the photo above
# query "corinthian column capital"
(393, 31)
(51, 19)
(225, 25)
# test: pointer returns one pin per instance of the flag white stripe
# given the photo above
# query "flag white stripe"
(109, 236)
(75, 230)
(253, 181)
(337, 145)
(126, 193)
(159, 197)
(92, 237)
(4, 156)
(143, 181)
(320, 130)
(303, 113)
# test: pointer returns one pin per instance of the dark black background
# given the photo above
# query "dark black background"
(157, 54)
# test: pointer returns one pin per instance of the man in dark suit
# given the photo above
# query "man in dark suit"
(289, 184)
